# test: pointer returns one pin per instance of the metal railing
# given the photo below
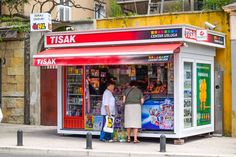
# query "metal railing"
(130, 1)
(163, 6)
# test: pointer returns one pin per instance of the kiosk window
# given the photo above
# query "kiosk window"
(156, 81)
(188, 105)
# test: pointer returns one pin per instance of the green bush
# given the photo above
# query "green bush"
(115, 9)
(215, 4)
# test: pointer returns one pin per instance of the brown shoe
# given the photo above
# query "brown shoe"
(128, 140)
(136, 141)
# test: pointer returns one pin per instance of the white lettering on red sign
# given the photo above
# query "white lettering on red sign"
(46, 61)
(62, 39)
(190, 34)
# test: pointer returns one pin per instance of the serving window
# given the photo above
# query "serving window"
(155, 79)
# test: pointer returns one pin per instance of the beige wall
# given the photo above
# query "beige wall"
(76, 13)
(86, 14)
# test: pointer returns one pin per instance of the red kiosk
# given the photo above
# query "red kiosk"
(174, 69)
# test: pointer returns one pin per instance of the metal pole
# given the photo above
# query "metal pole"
(163, 143)
(89, 140)
(135, 6)
(162, 6)
(19, 138)
(149, 5)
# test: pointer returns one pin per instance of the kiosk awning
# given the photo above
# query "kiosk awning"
(105, 55)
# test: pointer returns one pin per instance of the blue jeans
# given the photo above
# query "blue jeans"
(105, 136)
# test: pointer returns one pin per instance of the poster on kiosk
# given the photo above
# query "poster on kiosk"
(158, 114)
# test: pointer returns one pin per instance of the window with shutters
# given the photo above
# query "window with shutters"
(64, 11)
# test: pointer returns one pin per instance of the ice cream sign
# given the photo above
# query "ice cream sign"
(40, 22)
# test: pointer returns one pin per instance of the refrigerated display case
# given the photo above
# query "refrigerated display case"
(74, 96)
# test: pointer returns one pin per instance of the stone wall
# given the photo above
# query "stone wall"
(13, 81)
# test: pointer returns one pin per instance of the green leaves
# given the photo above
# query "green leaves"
(21, 27)
(115, 9)
(215, 4)
(15, 23)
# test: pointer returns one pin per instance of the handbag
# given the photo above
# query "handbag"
(109, 124)
(1, 115)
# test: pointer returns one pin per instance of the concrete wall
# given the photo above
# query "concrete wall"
(233, 48)
(34, 79)
(223, 56)
(13, 81)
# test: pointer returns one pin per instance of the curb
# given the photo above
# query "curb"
(98, 153)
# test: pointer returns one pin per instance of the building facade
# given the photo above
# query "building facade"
(62, 10)
(20, 92)
(231, 9)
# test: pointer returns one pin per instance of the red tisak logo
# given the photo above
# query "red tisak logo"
(46, 61)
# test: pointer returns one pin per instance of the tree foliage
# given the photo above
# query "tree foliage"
(115, 9)
(216, 4)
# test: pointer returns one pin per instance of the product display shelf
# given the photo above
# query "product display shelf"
(73, 114)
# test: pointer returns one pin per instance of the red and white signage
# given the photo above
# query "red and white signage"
(62, 39)
(190, 34)
(180, 33)
(113, 37)
(101, 55)
(45, 61)
(202, 35)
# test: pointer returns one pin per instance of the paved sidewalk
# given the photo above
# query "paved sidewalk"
(45, 140)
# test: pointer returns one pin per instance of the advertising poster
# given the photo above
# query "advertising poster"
(158, 114)
(40, 22)
(203, 94)
(188, 116)
(89, 122)
(118, 123)
(98, 120)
